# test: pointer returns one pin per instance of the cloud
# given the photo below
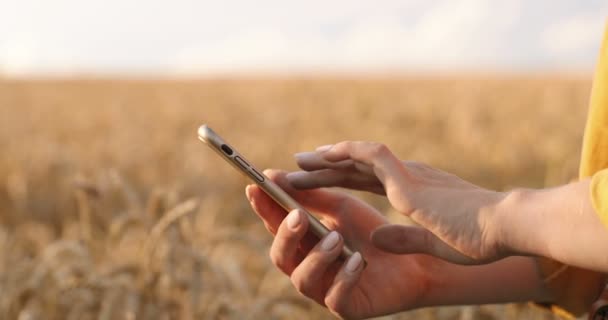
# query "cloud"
(446, 35)
(206, 37)
(570, 39)
(17, 58)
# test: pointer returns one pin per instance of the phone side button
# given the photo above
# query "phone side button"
(257, 175)
(241, 162)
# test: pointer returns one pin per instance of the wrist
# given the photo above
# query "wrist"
(436, 282)
(517, 278)
(520, 228)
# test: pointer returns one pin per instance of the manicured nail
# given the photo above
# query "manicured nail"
(330, 241)
(248, 192)
(293, 219)
(324, 148)
(303, 156)
(295, 175)
(353, 263)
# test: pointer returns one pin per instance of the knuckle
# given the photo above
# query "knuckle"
(334, 306)
(339, 310)
(349, 164)
(378, 150)
(402, 202)
(343, 144)
(276, 259)
(322, 177)
(299, 282)
(348, 143)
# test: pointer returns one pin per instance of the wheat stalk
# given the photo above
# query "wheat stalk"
(169, 218)
(205, 266)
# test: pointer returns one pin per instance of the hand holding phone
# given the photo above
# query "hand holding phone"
(239, 162)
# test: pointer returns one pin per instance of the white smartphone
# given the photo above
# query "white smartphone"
(236, 159)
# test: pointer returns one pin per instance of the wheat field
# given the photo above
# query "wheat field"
(110, 208)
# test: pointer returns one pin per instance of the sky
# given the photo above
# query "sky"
(200, 37)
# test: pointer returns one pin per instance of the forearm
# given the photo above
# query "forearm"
(558, 223)
(514, 279)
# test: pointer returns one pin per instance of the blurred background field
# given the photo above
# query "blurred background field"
(110, 208)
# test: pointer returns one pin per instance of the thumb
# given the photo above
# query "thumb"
(400, 239)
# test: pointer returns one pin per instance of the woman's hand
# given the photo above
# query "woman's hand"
(458, 219)
(390, 283)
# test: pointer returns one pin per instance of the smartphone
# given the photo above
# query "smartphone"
(238, 161)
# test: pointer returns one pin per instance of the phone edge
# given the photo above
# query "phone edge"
(215, 142)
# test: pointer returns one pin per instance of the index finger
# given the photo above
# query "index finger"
(386, 166)
(273, 215)
(269, 211)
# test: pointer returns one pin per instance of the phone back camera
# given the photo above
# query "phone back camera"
(227, 150)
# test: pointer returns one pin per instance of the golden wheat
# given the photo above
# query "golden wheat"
(95, 177)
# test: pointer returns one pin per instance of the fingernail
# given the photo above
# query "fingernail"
(293, 219)
(324, 148)
(248, 192)
(353, 263)
(295, 175)
(330, 241)
(304, 155)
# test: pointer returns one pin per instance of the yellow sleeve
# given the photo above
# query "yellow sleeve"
(575, 289)
(594, 159)
(595, 144)
(599, 195)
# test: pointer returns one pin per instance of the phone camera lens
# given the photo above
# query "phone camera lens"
(227, 150)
